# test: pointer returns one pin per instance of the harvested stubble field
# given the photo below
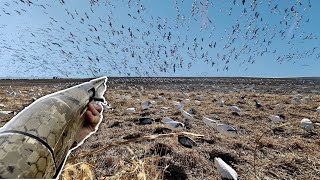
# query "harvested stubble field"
(262, 149)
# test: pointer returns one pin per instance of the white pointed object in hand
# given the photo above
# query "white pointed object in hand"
(226, 130)
(276, 119)
(209, 122)
(235, 109)
(171, 124)
(146, 105)
(130, 110)
(186, 115)
(224, 170)
(306, 124)
(197, 102)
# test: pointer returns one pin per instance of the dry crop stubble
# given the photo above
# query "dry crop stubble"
(283, 151)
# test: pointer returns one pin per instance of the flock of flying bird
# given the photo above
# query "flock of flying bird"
(129, 37)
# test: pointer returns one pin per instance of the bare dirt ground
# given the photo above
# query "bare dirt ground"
(261, 150)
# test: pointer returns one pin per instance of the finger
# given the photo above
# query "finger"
(82, 134)
(98, 107)
(92, 119)
(92, 108)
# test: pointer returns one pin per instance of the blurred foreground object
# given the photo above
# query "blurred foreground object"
(36, 142)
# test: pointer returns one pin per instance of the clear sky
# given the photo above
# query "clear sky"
(82, 38)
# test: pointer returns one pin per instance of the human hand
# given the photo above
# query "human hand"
(92, 119)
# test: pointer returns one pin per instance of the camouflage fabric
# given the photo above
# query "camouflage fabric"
(36, 141)
(22, 156)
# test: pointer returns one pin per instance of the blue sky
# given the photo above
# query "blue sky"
(166, 38)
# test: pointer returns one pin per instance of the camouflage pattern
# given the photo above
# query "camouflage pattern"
(22, 156)
(46, 127)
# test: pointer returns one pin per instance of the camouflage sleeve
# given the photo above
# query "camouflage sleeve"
(23, 156)
(36, 142)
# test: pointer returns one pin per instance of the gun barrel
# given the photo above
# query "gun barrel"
(35, 143)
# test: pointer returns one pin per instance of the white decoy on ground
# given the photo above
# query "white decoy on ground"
(176, 103)
(222, 128)
(258, 104)
(200, 97)
(161, 98)
(209, 122)
(172, 124)
(186, 115)
(130, 110)
(197, 102)
(224, 170)
(125, 97)
(226, 130)
(306, 99)
(164, 108)
(106, 107)
(137, 101)
(235, 109)
(179, 105)
(146, 105)
(186, 101)
(276, 119)
(318, 112)
(295, 100)
(151, 96)
(306, 124)
(221, 103)
(7, 113)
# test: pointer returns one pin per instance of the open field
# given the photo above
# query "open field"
(262, 149)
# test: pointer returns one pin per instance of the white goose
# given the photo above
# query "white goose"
(224, 170)
(235, 109)
(186, 115)
(172, 124)
(130, 110)
(276, 119)
(306, 124)
(222, 128)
